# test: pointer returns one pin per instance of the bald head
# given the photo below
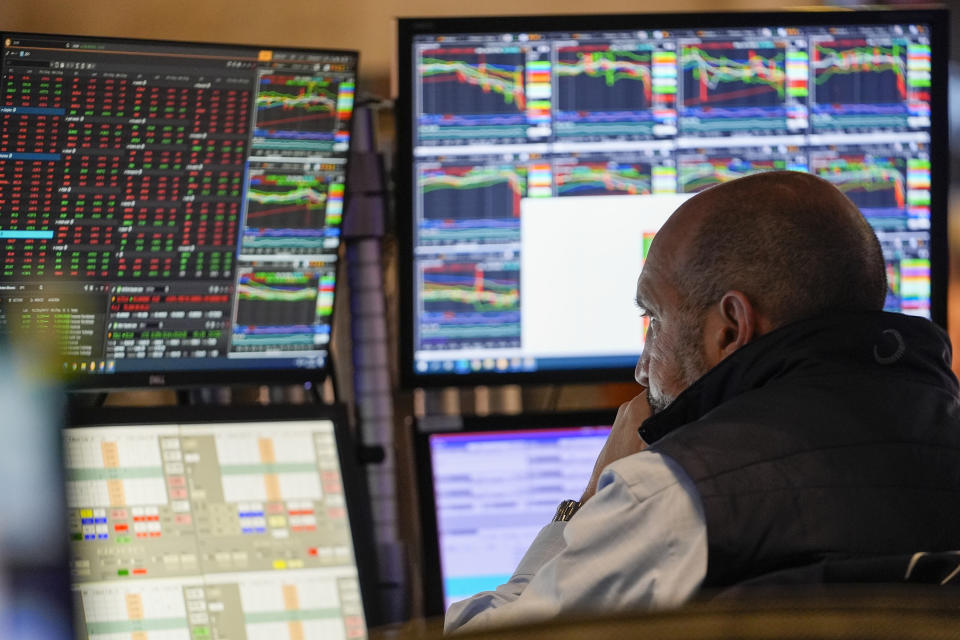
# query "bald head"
(792, 242)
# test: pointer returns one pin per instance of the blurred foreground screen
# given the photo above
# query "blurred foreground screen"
(34, 580)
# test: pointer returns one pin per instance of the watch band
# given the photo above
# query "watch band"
(565, 510)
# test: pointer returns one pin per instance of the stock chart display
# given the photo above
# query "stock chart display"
(701, 169)
(474, 203)
(475, 302)
(730, 86)
(481, 91)
(525, 142)
(171, 208)
(614, 89)
(598, 174)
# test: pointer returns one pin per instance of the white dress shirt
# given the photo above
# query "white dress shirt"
(639, 544)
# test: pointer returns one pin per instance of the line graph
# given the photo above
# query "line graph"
(454, 291)
(468, 82)
(464, 329)
(277, 298)
(501, 187)
(857, 84)
(600, 78)
(296, 241)
(698, 173)
(852, 72)
(875, 183)
(615, 90)
(306, 104)
(286, 201)
(753, 77)
(603, 178)
(479, 203)
(483, 231)
(736, 86)
(468, 303)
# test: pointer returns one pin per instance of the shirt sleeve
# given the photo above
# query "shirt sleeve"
(638, 544)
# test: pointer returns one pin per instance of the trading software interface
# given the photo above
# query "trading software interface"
(545, 162)
(493, 491)
(198, 531)
(172, 206)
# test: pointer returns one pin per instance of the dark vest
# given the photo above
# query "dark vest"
(835, 437)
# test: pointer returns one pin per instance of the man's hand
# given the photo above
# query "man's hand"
(623, 439)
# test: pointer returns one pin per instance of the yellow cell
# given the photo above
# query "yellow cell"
(279, 564)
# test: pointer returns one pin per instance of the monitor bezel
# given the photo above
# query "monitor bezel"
(189, 377)
(423, 428)
(409, 28)
(354, 480)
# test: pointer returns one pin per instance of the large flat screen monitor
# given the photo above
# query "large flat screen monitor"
(217, 523)
(171, 211)
(539, 155)
(488, 485)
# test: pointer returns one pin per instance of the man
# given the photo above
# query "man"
(786, 422)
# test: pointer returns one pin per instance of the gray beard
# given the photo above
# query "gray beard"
(657, 401)
(692, 367)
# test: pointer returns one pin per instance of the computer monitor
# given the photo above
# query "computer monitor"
(211, 522)
(35, 602)
(487, 486)
(171, 210)
(538, 156)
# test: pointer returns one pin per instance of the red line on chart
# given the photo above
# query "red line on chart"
(263, 123)
(733, 94)
(270, 212)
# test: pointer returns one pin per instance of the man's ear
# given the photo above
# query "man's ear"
(731, 323)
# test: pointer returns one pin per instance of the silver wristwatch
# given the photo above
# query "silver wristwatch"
(565, 510)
